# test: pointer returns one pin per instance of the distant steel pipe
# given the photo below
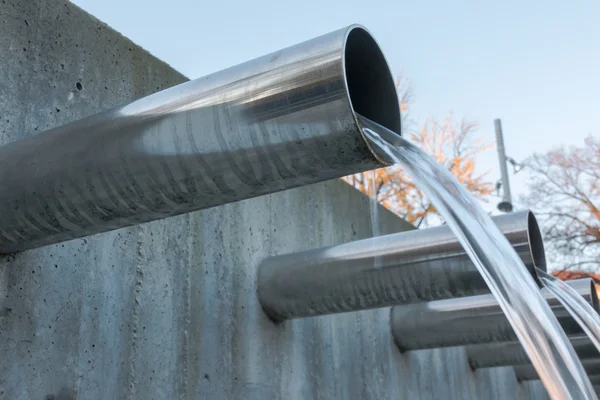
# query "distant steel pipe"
(503, 354)
(528, 372)
(595, 380)
(471, 320)
(277, 122)
(412, 267)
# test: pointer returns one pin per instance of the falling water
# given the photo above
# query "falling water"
(374, 207)
(373, 203)
(516, 292)
(582, 312)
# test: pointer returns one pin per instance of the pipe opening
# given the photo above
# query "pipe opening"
(371, 88)
(538, 254)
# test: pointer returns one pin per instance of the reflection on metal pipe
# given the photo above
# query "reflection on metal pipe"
(528, 373)
(412, 267)
(277, 122)
(595, 380)
(471, 320)
(503, 354)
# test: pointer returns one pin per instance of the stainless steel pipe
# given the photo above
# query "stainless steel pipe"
(471, 320)
(277, 122)
(595, 380)
(412, 267)
(528, 373)
(503, 354)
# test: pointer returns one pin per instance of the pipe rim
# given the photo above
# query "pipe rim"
(536, 245)
(594, 296)
(370, 87)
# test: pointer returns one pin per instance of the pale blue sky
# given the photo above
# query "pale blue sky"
(534, 64)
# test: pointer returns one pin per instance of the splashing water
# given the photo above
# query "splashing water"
(515, 290)
(580, 310)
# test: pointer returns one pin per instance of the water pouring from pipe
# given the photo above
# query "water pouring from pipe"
(531, 318)
(281, 121)
(582, 312)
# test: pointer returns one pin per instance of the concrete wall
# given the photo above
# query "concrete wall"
(168, 309)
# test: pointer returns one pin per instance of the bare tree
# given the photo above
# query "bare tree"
(405, 98)
(564, 190)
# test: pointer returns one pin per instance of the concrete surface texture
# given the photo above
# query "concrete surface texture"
(168, 309)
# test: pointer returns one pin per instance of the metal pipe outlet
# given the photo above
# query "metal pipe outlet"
(472, 320)
(503, 354)
(412, 267)
(595, 380)
(528, 372)
(277, 122)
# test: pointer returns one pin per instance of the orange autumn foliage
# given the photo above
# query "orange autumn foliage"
(566, 275)
(451, 144)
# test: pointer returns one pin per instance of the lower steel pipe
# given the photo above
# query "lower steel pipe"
(471, 320)
(595, 380)
(502, 354)
(402, 268)
(528, 373)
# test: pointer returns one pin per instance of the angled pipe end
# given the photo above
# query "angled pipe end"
(369, 83)
(536, 246)
(594, 295)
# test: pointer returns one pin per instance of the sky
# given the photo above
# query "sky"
(533, 64)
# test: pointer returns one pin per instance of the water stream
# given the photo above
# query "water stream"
(374, 208)
(373, 203)
(515, 290)
(581, 310)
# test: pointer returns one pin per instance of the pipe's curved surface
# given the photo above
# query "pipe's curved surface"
(595, 380)
(502, 354)
(413, 266)
(528, 373)
(277, 122)
(471, 320)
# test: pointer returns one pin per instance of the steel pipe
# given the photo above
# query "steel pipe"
(528, 373)
(277, 122)
(504, 354)
(471, 320)
(412, 267)
(595, 380)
